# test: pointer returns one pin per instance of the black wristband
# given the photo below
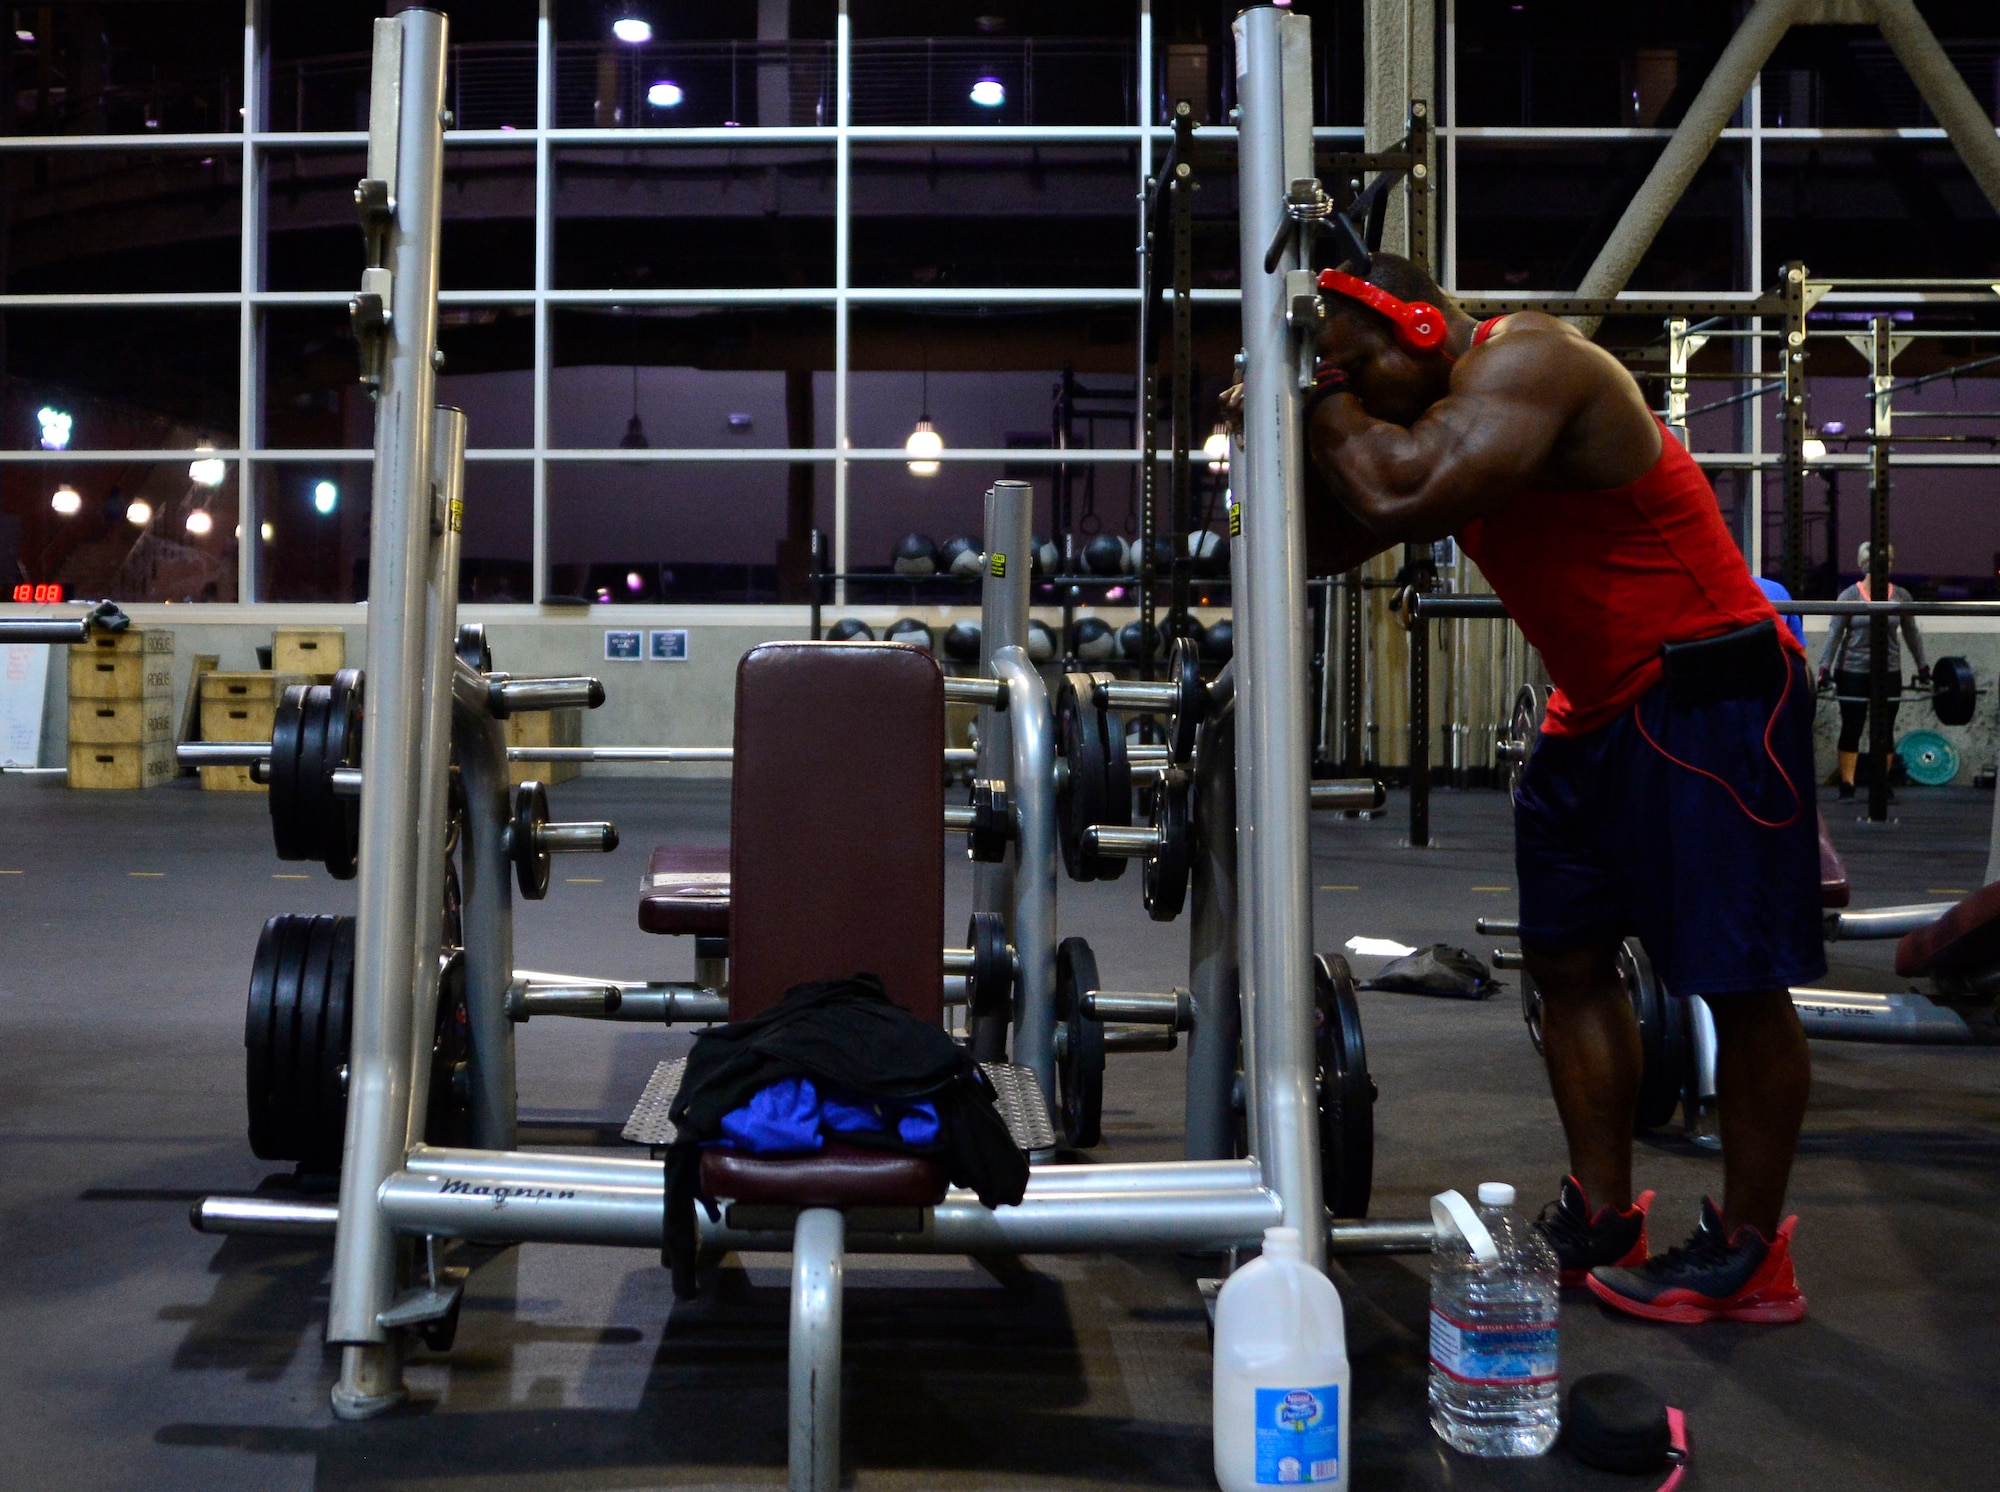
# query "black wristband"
(1328, 383)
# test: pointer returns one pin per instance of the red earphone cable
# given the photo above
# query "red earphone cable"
(1798, 803)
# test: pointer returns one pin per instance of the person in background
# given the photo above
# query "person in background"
(1777, 592)
(1846, 660)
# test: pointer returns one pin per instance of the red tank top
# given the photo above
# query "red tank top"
(1598, 580)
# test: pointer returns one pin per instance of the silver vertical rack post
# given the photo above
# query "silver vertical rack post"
(1274, 91)
(395, 318)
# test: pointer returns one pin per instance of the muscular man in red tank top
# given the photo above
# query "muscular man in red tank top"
(1649, 808)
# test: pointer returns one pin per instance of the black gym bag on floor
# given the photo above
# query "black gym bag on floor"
(1437, 970)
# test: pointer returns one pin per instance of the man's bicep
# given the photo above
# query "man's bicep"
(1491, 442)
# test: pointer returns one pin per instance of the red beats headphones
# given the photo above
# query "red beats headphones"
(1420, 326)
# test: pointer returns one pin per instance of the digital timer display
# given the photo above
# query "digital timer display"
(40, 595)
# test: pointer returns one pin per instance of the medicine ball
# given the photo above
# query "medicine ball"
(961, 557)
(1188, 627)
(1163, 556)
(1129, 644)
(851, 629)
(1092, 639)
(1045, 558)
(961, 642)
(916, 554)
(1041, 641)
(1106, 554)
(1220, 641)
(1208, 551)
(909, 629)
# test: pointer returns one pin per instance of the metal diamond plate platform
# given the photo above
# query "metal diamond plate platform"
(649, 1124)
(1019, 1098)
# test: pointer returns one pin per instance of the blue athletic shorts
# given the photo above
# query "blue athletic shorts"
(1613, 840)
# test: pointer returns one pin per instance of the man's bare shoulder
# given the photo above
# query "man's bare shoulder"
(1535, 348)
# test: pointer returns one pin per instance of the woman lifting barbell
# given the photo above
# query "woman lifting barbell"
(1847, 660)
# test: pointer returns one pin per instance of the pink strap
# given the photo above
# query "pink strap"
(1677, 1447)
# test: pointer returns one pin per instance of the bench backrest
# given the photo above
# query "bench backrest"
(837, 822)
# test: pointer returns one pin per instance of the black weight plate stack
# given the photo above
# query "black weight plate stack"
(446, 1119)
(1080, 1069)
(341, 836)
(1663, 1036)
(1080, 798)
(289, 833)
(296, 1035)
(473, 650)
(1531, 1011)
(1524, 726)
(316, 805)
(1346, 1092)
(1166, 874)
(1954, 691)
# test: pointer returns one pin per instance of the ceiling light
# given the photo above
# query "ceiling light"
(139, 512)
(66, 500)
(632, 31)
(267, 531)
(989, 93)
(1216, 448)
(326, 496)
(207, 471)
(923, 448)
(634, 582)
(1813, 449)
(665, 95)
(55, 425)
(199, 523)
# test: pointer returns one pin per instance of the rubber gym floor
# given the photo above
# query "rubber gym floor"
(135, 1353)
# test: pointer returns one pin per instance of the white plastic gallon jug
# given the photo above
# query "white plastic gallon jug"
(1281, 1375)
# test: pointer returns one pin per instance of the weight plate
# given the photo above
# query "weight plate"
(1531, 1011)
(1954, 691)
(1346, 1092)
(260, 1043)
(317, 1149)
(531, 865)
(315, 781)
(1166, 875)
(1080, 797)
(342, 845)
(288, 832)
(992, 966)
(1928, 757)
(1080, 1069)
(1524, 728)
(1184, 668)
(1117, 810)
(452, 935)
(336, 1034)
(473, 649)
(450, 1100)
(1663, 1039)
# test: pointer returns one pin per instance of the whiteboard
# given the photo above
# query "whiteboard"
(24, 684)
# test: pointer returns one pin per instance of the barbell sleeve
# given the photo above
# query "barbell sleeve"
(1130, 694)
(1175, 1008)
(222, 753)
(527, 999)
(1508, 958)
(346, 782)
(1135, 843)
(507, 696)
(1143, 757)
(585, 837)
(620, 753)
(1348, 794)
(1497, 927)
(959, 818)
(990, 692)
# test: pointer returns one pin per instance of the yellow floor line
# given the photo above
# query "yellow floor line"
(1340, 888)
(584, 880)
(145, 875)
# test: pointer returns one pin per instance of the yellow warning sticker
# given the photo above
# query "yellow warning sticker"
(1236, 521)
(457, 516)
(999, 565)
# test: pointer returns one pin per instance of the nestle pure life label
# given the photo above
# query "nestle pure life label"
(1298, 1436)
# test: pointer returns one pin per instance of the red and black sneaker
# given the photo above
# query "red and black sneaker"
(1583, 1239)
(1717, 1276)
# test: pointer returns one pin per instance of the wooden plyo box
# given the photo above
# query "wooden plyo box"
(239, 707)
(147, 764)
(320, 651)
(130, 665)
(121, 734)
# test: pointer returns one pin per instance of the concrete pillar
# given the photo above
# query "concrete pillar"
(1399, 59)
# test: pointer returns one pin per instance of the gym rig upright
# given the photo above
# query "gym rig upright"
(401, 1198)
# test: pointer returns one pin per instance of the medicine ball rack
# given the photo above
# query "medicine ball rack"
(397, 1188)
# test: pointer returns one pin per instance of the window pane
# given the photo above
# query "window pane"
(172, 68)
(994, 215)
(694, 217)
(125, 221)
(674, 531)
(694, 83)
(125, 531)
(314, 529)
(497, 549)
(691, 378)
(119, 379)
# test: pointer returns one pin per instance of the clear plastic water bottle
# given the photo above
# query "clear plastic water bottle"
(1493, 1330)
